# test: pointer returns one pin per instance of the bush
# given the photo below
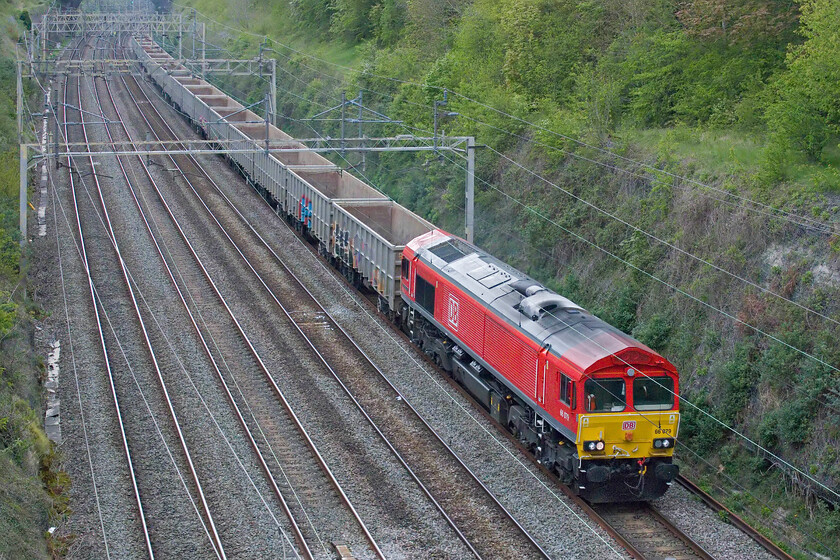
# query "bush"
(655, 332)
(26, 19)
(738, 378)
(621, 309)
(699, 432)
(805, 114)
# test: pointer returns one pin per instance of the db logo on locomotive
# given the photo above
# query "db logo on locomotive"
(453, 311)
(629, 425)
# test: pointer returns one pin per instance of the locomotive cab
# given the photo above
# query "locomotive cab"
(627, 429)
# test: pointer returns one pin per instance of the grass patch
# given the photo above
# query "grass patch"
(705, 149)
(24, 510)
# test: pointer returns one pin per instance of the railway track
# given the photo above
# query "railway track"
(127, 544)
(647, 533)
(255, 319)
(734, 519)
(123, 365)
(457, 493)
(644, 532)
(269, 437)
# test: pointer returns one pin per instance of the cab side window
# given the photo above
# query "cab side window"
(405, 266)
(567, 391)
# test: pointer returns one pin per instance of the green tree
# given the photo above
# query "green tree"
(806, 111)
(390, 17)
(352, 20)
(544, 42)
(739, 21)
(313, 14)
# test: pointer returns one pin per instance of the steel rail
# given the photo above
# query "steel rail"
(734, 519)
(695, 547)
(237, 412)
(644, 527)
(588, 508)
(215, 538)
(366, 358)
(101, 334)
(258, 359)
(711, 502)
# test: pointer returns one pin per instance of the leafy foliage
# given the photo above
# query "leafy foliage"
(738, 94)
(805, 114)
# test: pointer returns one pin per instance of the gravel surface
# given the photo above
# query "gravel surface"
(91, 448)
(516, 482)
(104, 516)
(232, 481)
(399, 516)
(694, 519)
(175, 527)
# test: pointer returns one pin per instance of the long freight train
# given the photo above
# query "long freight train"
(592, 404)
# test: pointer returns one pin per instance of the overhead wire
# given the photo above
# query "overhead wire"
(698, 300)
(763, 209)
(680, 250)
(669, 285)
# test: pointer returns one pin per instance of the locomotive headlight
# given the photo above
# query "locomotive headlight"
(594, 446)
(663, 443)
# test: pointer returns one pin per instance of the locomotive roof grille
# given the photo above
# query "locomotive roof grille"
(451, 250)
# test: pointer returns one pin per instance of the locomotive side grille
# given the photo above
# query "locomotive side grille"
(510, 356)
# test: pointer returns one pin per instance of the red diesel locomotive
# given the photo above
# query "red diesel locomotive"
(592, 403)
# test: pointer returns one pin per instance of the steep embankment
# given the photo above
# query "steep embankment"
(31, 486)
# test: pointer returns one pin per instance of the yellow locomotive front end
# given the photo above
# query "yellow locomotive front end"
(626, 437)
(633, 435)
